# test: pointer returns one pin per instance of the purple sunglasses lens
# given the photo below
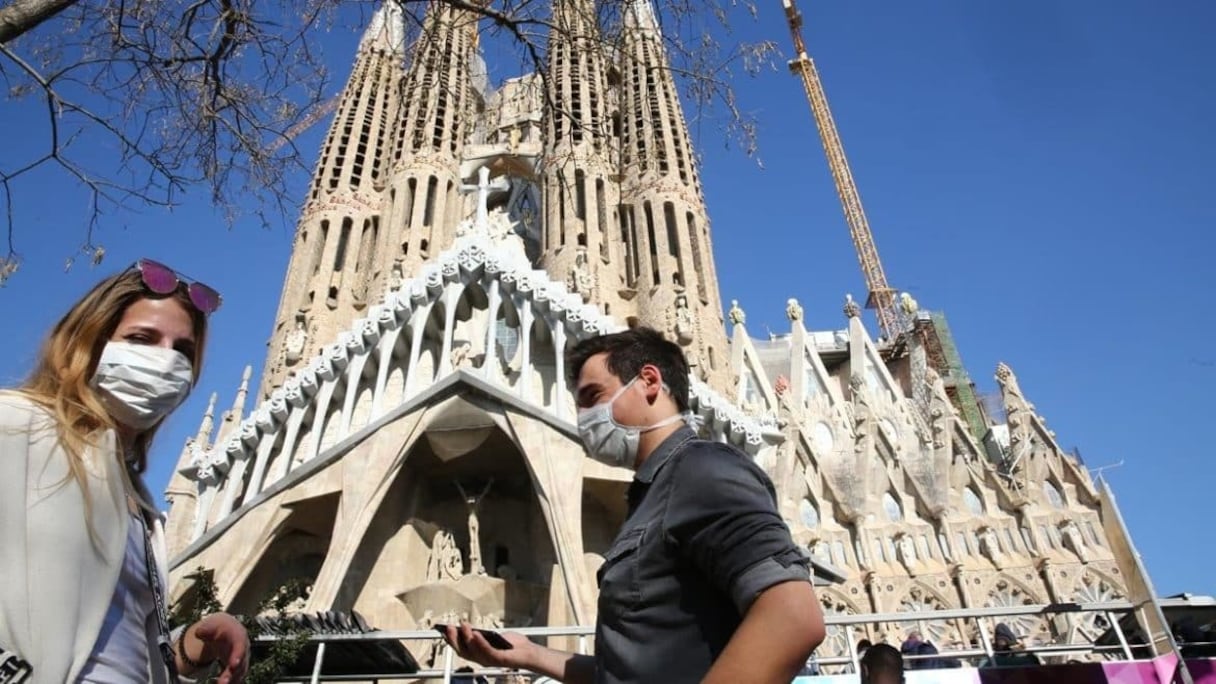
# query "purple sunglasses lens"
(206, 299)
(157, 277)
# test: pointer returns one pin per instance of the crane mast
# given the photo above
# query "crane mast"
(882, 298)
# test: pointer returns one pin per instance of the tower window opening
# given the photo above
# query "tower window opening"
(580, 194)
(316, 250)
(601, 211)
(673, 231)
(411, 192)
(654, 247)
(332, 300)
(697, 265)
(343, 239)
(561, 214)
(428, 215)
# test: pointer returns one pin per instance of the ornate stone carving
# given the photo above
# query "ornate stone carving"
(460, 354)
(684, 321)
(582, 280)
(990, 545)
(781, 385)
(293, 344)
(905, 549)
(395, 276)
(1072, 538)
(444, 562)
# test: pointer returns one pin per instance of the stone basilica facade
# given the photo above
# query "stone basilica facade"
(412, 451)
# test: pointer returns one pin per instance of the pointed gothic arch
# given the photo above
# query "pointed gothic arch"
(295, 550)
(462, 467)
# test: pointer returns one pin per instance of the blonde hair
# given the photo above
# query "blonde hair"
(60, 381)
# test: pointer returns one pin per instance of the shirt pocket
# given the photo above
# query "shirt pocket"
(619, 576)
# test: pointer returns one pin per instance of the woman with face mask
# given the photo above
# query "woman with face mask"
(82, 556)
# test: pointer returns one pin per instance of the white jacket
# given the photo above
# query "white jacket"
(55, 582)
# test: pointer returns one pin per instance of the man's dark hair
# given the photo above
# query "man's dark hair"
(882, 663)
(627, 352)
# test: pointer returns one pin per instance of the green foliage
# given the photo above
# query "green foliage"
(202, 600)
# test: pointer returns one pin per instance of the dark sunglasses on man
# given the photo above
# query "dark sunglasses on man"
(163, 280)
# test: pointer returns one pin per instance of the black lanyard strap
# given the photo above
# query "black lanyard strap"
(163, 640)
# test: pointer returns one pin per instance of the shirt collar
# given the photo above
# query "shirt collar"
(662, 454)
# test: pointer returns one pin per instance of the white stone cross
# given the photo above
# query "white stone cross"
(483, 188)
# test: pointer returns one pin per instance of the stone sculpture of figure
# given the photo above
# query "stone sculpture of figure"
(1073, 539)
(684, 327)
(460, 354)
(395, 276)
(737, 317)
(473, 503)
(989, 544)
(294, 344)
(582, 281)
(906, 549)
(445, 561)
(851, 309)
(793, 310)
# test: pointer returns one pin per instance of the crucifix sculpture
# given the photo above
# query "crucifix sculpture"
(474, 502)
(483, 188)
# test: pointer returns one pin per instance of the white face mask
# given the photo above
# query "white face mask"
(606, 440)
(141, 384)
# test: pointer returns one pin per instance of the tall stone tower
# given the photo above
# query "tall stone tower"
(334, 259)
(582, 236)
(669, 258)
(423, 202)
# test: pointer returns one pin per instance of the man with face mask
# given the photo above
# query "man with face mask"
(703, 582)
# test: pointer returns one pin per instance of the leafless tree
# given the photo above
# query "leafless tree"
(211, 92)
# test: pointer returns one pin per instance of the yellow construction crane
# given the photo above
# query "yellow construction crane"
(892, 317)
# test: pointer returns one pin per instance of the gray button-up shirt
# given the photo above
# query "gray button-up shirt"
(701, 540)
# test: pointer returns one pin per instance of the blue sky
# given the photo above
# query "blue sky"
(1043, 172)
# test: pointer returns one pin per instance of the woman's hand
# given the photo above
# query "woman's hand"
(219, 637)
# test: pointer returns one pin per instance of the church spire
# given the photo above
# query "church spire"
(581, 239)
(669, 255)
(438, 98)
(333, 260)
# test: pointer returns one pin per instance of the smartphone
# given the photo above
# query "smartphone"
(493, 638)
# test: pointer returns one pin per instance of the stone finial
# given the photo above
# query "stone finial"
(1003, 372)
(205, 427)
(851, 308)
(737, 317)
(793, 310)
(238, 405)
(908, 304)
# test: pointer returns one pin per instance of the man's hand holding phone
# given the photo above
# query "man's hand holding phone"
(492, 649)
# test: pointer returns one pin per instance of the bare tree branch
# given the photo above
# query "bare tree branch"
(213, 92)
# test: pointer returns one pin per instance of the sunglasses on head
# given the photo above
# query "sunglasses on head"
(163, 280)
